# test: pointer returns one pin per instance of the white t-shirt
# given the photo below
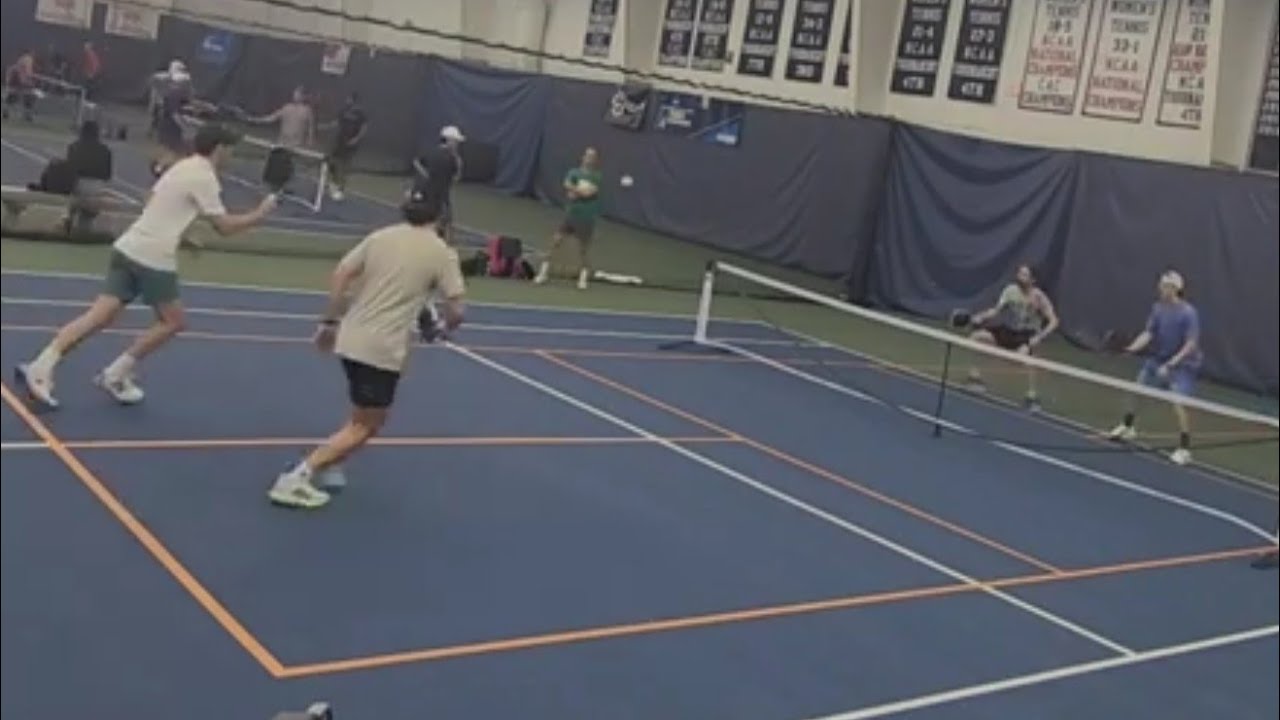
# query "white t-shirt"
(187, 190)
(399, 267)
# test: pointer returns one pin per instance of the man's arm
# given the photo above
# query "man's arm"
(992, 311)
(1144, 338)
(1050, 320)
(340, 282)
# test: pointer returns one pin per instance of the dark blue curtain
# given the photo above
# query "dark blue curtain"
(1134, 219)
(800, 190)
(498, 107)
(960, 214)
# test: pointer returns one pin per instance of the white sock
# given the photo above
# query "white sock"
(120, 367)
(544, 269)
(47, 360)
(302, 471)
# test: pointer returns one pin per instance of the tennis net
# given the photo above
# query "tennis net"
(964, 389)
(310, 183)
(50, 102)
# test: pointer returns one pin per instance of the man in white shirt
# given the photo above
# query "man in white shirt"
(389, 275)
(144, 263)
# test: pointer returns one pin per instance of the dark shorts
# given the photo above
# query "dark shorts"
(1010, 339)
(370, 387)
(169, 135)
(581, 228)
(128, 280)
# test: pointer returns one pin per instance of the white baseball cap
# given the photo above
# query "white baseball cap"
(1173, 279)
(451, 132)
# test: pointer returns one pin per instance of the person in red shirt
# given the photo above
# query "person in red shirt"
(91, 68)
(19, 85)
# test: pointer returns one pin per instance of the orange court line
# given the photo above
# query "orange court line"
(144, 536)
(805, 465)
(749, 614)
(252, 442)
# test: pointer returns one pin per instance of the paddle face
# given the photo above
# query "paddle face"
(278, 170)
(1115, 341)
(960, 319)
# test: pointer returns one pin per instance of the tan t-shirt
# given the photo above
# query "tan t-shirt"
(399, 267)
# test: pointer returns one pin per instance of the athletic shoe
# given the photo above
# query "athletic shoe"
(582, 280)
(122, 389)
(1032, 403)
(332, 480)
(292, 491)
(1181, 456)
(975, 385)
(336, 194)
(1123, 432)
(37, 385)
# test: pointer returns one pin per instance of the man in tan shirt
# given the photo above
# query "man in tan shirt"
(390, 274)
(297, 123)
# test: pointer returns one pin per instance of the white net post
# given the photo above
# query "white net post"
(322, 182)
(704, 304)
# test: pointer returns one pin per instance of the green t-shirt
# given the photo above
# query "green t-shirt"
(584, 208)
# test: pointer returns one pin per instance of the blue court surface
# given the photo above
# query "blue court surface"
(564, 520)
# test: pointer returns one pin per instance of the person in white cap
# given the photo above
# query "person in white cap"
(435, 173)
(1171, 341)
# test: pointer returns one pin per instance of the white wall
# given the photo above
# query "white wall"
(1247, 33)
(1238, 37)
(1004, 120)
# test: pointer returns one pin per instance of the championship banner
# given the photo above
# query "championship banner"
(132, 21)
(335, 59)
(628, 107)
(71, 13)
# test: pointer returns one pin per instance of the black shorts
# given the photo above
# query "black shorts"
(582, 229)
(1011, 339)
(370, 387)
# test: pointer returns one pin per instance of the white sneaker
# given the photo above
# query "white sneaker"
(336, 194)
(294, 492)
(123, 389)
(540, 278)
(1123, 432)
(38, 385)
(1181, 456)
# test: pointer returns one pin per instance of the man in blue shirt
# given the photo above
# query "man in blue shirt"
(1171, 340)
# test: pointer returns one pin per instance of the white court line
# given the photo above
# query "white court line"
(276, 290)
(1048, 676)
(798, 504)
(1008, 447)
(311, 317)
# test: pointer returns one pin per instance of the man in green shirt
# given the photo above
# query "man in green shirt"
(582, 207)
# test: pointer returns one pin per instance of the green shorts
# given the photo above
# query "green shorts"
(128, 280)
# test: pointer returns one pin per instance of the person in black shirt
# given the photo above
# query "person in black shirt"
(91, 162)
(436, 172)
(352, 123)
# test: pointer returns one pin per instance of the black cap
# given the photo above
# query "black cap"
(212, 136)
(420, 208)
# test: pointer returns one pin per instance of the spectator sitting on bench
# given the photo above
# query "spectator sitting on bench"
(91, 163)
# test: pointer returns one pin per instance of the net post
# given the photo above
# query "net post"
(701, 321)
(942, 389)
(704, 303)
(321, 182)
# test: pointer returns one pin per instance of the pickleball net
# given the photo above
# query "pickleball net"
(968, 391)
(310, 183)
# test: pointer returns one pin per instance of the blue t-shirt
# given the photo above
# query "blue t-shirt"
(1171, 325)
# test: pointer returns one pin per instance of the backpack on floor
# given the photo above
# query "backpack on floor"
(506, 258)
